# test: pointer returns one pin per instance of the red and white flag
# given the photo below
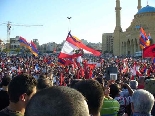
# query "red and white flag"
(73, 47)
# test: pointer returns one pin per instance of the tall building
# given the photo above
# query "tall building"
(107, 42)
(127, 42)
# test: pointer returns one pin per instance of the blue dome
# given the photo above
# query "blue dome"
(146, 9)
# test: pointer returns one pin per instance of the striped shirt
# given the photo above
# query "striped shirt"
(123, 101)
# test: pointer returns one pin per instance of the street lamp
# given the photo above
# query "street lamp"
(69, 18)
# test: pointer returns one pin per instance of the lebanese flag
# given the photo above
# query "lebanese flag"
(73, 47)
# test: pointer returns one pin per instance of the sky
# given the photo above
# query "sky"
(90, 18)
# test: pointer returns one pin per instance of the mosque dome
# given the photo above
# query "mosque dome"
(146, 9)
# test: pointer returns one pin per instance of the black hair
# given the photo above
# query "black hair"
(114, 90)
(73, 82)
(57, 101)
(93, 92)
(5, 81)
(43, 82)
(19, 85)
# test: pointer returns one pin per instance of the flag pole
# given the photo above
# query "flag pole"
(69, 23)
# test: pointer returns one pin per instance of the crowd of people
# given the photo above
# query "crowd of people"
(48, 86)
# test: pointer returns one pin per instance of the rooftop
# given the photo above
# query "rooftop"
(147, 9)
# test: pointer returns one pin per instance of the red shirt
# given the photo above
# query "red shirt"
(140, 86)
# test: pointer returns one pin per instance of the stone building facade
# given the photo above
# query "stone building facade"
(127, 43)
(107, 42)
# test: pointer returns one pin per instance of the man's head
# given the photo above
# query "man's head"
(114, 90)
(5, 81)
(57, 101)
(93, 92)
(21, 88)
(133, 84)
(44, 82)
(142, 101)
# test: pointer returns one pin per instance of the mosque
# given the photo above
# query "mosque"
(127, 43)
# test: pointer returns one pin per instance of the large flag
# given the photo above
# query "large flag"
(143, 39)
(33, 49)
(23, 42)
(73, 47)
(149, 51)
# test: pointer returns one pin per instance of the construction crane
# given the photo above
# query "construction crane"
(9, 25)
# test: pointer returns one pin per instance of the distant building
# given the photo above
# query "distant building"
(84, 41)
(127, 42)
(59, 47)
(42, 48)
(50, 47)
(96, 46)
(14, 43)
(99, 46)
(2, 45)
(107, 42)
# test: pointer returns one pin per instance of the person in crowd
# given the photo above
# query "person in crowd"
(110, 106)
(123, 101)
(93, 92)
(57, 101)
(150, 86)
(141, 82)
(43, 82)
(124, 92)
(133, 84)
(100, 80)
(4, 97)
(20, 90)
(142, 103)
(74, 81)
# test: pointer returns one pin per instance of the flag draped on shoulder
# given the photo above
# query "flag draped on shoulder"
(34, 49)
(23, 42)
(73, 47)
(149, 51)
